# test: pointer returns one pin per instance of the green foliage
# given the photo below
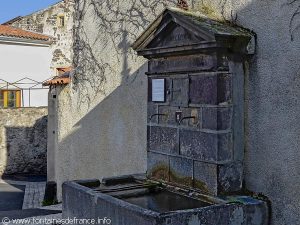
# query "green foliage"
(49, 202)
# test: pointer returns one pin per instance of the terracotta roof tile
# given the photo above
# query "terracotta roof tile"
(8, 31)
(57, 81)
(62, 79)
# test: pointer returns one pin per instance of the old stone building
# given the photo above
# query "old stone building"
(99, 116)
(34, 48)
(56, 21)
(24, 64)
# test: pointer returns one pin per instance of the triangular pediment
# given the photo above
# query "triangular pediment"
(173, 35)
(176, 29)
(170, 30)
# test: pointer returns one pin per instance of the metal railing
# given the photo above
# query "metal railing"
(25, 84)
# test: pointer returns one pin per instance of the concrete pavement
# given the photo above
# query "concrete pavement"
(22, 198)
(11, 196)
(33, 196)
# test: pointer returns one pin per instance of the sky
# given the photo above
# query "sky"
(10, 9)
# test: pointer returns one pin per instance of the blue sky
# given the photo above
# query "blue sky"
(13, 8)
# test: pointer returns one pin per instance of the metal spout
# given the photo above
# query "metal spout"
(157, 114)
(185, 118)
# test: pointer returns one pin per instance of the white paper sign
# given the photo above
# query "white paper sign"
(158, 90)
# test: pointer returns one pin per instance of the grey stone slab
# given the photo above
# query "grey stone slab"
(225, 147)
(230, 177)
(205, 146)
(214, 118)
(256, 214)
(163, 139)
(78, 201)
(210, 89)
(152, 109)
(180, 92)
(198, 145)
(199, 62)
(158, 166)
(205, 177)
(181, 171)
(215, 215)
(177, 35)
(218, 179)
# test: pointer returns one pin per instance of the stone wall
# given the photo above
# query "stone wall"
(46, 21)
(103, 132)
(23, 141)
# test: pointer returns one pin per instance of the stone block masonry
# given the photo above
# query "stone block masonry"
(23, 141)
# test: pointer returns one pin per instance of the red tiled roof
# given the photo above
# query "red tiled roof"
(8, 31)
(63, 78)
(57, 81)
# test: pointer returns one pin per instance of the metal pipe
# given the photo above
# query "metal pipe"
(157, 114)
(186, 117)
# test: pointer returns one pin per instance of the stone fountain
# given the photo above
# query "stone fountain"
(195, 143)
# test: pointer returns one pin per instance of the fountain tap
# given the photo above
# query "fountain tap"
(157, 114)
(186, 117)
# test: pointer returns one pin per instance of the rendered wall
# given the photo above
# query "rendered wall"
(272, 98)
(102, 115)
(23, 141)
(103, 132)
(20, 61)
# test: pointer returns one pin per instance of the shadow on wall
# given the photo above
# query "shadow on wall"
(26, 149)
(111, 138)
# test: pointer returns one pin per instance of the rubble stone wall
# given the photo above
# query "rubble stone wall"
(23, 141)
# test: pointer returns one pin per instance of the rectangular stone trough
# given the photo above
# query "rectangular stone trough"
(134, 201)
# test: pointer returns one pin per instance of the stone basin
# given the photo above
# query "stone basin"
(130, 201)
(164, 201)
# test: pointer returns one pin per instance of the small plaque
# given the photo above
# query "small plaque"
(158, 90)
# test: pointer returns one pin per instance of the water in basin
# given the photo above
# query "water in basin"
(165, 201)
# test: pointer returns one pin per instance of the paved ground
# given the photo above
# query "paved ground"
(11, 196)
(27, 213)
(26, 178)
(21, 197)
(49, 213)
(33, 197)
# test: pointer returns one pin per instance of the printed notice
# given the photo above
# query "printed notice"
(158, 90)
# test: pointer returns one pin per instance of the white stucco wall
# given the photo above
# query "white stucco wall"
(19, 61)
(101, 120)
(45, 21)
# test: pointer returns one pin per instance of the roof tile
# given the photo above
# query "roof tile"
(8, 31)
